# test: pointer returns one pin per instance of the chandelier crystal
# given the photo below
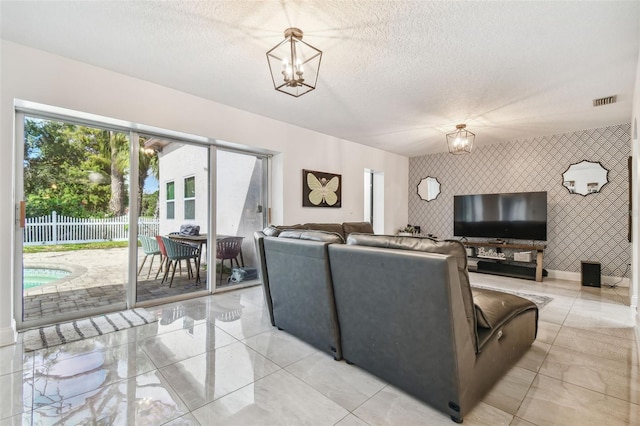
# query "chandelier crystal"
(460, 141)
(294, 64)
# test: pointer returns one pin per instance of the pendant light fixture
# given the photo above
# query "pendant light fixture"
(294, 64)
(460, 141)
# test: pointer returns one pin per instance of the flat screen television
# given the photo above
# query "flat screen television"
(518, 215)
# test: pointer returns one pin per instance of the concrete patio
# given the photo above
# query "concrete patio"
(98, 279)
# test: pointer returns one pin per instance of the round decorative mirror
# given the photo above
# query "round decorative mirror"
(429, 188)
(585, 177)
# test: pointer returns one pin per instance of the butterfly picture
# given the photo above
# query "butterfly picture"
(320, 189)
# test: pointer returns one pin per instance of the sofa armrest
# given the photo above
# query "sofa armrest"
(495, 308)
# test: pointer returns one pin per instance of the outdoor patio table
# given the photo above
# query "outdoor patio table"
(200, 240)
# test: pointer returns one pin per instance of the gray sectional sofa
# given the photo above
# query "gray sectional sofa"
(401, 308)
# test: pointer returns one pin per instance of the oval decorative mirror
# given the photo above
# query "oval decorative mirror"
(585, 177)
(429, 188)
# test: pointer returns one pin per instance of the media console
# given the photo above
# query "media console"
(498, 265)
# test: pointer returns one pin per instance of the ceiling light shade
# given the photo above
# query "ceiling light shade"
(294, 64)
(460, 141)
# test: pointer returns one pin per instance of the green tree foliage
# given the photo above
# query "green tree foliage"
(55, 178)
(79, 171)
(149, 205)
(147, 166)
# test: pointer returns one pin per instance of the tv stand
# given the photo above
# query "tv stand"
(512, 270)
(498, 242)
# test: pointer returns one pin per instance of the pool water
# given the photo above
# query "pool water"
(34, 277)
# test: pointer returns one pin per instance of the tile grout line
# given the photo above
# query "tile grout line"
(537, 372)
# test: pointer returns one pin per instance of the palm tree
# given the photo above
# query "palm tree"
(119, 154)
(111, 157)
(147, 165)
(120, 167)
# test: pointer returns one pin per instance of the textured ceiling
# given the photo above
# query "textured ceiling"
(396, 75)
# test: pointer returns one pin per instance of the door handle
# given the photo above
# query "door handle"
(22, 214)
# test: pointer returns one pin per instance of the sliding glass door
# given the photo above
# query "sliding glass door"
(241, 210)
(111, 219)
(173, 219)
(75, 222)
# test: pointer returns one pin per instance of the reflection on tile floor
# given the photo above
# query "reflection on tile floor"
(218, 360)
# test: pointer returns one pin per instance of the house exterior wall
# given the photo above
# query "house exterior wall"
(235, 173)
(176, 163)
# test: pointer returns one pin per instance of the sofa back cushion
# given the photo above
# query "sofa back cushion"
(271, 231)
(429, 245)
(321, 236)
(274, 230)
(328, 227)
(342, 229)
(359, 227)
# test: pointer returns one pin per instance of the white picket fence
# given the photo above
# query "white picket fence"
(58, 229)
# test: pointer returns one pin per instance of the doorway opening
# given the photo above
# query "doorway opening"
(374, 199)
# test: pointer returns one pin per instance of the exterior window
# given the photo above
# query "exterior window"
(190, 198)
(171, 196)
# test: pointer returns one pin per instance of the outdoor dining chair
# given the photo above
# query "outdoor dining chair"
(177, 252)
(228, 248)
(165, 260)
(151, 248)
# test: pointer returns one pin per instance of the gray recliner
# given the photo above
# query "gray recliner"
(403, 308)
(298, 286)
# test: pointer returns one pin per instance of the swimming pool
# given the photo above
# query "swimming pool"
(34, 277)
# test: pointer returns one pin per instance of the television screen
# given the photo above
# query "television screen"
(519, 215)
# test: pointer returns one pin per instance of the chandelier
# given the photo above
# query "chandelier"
(460, 141)
(294, 64)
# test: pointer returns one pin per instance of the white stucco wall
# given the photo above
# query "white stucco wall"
(37, 76)
(234, 173)
(176, 163)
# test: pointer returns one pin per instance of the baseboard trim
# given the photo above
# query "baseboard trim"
(575, 276)
(8, 335)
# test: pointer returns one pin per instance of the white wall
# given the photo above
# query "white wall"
(234, 173)
(38, 76)
(177, 162)
(379, 223)
(635, 227)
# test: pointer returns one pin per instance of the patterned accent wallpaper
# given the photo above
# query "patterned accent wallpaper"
(592, 227)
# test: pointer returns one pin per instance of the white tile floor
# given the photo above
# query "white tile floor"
(223, 363)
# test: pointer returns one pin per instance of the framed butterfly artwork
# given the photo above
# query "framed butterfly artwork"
(321, 189)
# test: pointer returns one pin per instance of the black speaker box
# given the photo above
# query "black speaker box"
(590, 274)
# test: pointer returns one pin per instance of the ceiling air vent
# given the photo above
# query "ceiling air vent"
(605, 101)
